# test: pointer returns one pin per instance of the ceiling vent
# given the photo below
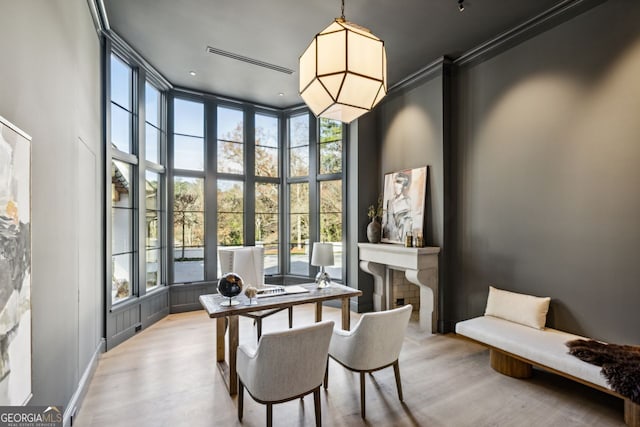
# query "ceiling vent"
(248, 60)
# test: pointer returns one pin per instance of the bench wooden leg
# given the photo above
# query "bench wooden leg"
(631, 413)
(509, 366)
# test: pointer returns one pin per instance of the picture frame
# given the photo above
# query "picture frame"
(15, 266)
(404, 197)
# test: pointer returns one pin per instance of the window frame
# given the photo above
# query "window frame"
(250, 179)
(141, 74)
(314, 179)
(277, 180)
(186, 173)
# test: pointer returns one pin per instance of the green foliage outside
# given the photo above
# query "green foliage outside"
(189, 193)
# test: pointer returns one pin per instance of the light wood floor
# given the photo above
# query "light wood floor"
(166, 376)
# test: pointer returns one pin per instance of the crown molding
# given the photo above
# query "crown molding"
(121, 45)
(561, 11)
(423, 73)
(99, 15)
(536, 25)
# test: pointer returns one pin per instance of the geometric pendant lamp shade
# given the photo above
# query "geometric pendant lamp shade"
(343, 72)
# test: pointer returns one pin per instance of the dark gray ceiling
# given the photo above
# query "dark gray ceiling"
(173, 36)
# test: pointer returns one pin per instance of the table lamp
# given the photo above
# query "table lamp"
(322, 256)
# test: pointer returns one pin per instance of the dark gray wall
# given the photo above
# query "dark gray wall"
(413, 127)
(547, 166)
(411, 131)
(363, 164)
(535, 189)
(50, 88)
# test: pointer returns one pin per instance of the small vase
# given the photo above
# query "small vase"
(373, 231)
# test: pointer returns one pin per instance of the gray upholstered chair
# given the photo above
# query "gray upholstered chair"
(373, 344)
(286, 365)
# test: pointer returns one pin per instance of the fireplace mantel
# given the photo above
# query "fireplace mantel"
(420, 266)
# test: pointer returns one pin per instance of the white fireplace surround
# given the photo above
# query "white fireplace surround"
(420, 266)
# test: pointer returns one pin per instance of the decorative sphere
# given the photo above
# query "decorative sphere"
(251, 292)
(230, 285)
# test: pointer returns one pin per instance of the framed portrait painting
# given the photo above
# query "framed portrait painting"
(15, 265)
(403, 204)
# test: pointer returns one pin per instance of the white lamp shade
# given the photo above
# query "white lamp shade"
(322, 254)
(343, 72)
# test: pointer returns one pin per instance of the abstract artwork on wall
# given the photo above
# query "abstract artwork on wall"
(15, 265)
(403, 204)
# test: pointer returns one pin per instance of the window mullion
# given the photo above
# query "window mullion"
(314, 192)
(250, 174)
(139, 142)
(169, 254)
(210, 191)
(284, 238)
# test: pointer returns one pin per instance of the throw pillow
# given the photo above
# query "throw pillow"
(519, 308)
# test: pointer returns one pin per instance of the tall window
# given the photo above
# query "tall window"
(123, 250)
(155, 184)
(137, 181)
(330, 180)
(188, 191)
(231, 188)
(298, 191)
(314, 190)
(267, 190)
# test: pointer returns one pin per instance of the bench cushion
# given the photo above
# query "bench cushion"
(543, 346)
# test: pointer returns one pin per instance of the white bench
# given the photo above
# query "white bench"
(514, 348)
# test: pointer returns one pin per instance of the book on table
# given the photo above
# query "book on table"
(273, 290)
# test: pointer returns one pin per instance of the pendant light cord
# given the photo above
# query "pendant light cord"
(342, 9)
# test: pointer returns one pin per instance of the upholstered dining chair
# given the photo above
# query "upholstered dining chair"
(248, 262)
(286, 365)
(373, 344)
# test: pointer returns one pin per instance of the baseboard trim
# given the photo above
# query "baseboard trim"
(183, 308)
(83, 385)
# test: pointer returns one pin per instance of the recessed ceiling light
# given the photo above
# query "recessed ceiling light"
(192, 73)
(281, 94)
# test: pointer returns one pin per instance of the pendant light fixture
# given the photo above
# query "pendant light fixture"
(343, 72)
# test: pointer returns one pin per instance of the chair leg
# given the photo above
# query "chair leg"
(259, 328)
(269, 415)
(396, 371)
(290, 317)
(326, 375)
(316, 406)
(362, 395)
(240, 399)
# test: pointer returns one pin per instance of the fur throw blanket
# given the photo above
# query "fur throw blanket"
(620, 364)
